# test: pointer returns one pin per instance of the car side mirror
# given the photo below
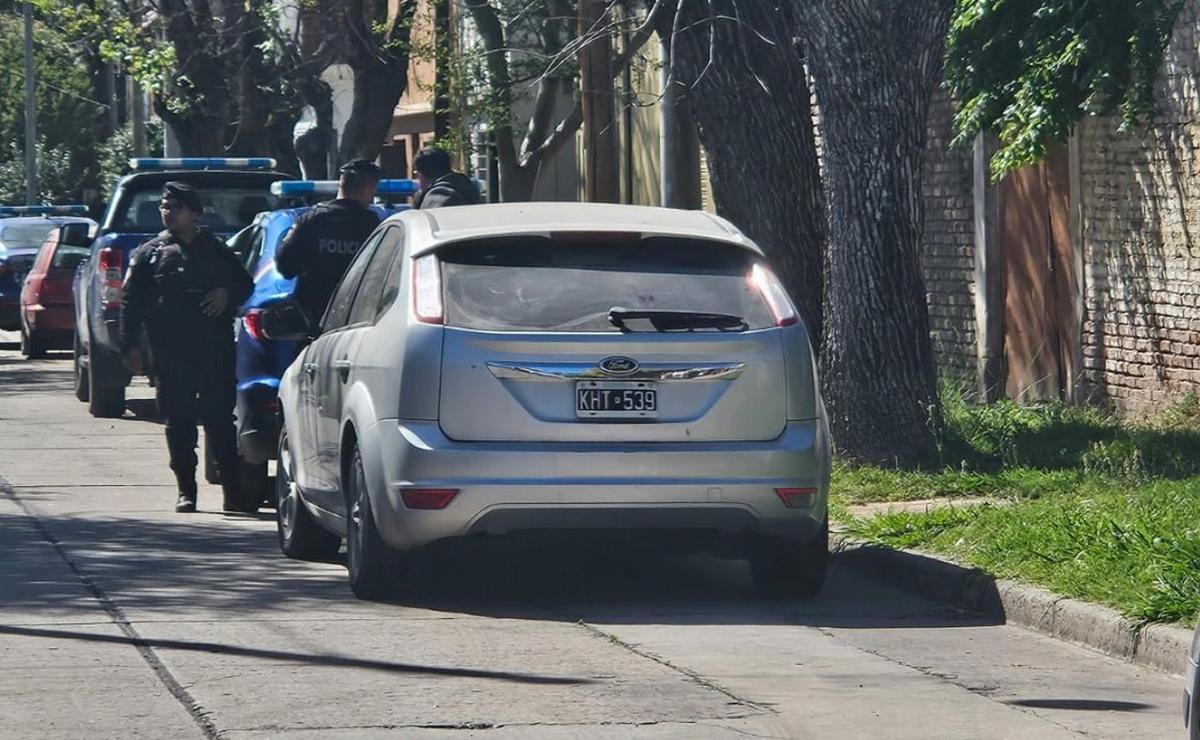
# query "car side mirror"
(285, 322)
(76, 235)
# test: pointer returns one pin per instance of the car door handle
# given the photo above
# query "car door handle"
(343, 368)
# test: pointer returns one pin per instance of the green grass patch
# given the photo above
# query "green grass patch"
(1095, 508)
(1137, 550)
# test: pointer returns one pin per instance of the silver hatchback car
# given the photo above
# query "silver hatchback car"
(498, 369)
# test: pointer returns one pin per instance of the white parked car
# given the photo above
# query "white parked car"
(512, 368)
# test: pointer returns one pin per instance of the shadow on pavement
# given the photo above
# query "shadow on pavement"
(1085, 705)
(237, 568)
(283, 655)
(19, 375)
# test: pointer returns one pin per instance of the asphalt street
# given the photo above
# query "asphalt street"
(122, 619)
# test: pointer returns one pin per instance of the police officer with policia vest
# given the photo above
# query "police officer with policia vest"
(184, 287)
(319, 248)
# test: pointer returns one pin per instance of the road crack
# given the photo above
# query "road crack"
(197, 712)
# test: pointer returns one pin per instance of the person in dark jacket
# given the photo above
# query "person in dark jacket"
(184, 287)
(325, 240)
(440, 185)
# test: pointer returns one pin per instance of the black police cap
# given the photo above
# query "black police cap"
(183, 193)
(360, 167)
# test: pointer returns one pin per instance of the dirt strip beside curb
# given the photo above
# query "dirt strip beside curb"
(1163, 647)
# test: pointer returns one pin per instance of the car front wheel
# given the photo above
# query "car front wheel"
(300, 537)
(786, 569)
(375, 569)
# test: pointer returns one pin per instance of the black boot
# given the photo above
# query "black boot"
(186, 503)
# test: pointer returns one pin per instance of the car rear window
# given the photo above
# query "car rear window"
(25, 236)
(68, 257)
(543, 285)
(226, 209)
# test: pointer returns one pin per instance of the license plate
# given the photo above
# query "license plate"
(616, 399)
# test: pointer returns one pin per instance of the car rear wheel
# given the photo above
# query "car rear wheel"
(376, 570)
(32, 345)
(81, 372)
(300, 537)
(104, 401)
(256, 483)
(785, 569)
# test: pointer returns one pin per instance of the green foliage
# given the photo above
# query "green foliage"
(116, 152)
(1028, 70)
(57, 181)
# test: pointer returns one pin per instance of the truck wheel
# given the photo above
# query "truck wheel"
(104, 401)
(784, 569)
(81, 374)
(31, 345)
(256, 484)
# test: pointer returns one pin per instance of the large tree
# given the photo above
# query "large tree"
(741, 69)
(874, 64)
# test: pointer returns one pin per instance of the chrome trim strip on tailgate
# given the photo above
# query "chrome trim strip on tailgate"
(590, 371)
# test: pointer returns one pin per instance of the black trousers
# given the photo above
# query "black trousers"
(197, 384)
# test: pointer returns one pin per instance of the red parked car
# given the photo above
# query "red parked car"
(47, 302)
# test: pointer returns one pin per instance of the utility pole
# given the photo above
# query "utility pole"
(30, 111)
(602, 178)
(679, 143)
(137, 114)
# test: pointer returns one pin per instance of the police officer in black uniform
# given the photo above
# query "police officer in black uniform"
(185, 287)
(325, 240)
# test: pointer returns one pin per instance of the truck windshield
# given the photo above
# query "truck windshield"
(226, 209)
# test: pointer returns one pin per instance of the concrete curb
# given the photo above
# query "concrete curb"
(1097, 627)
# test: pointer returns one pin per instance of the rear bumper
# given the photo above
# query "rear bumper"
(53, 319)
(719, 487)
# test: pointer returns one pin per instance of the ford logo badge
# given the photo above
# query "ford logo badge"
(619, 365)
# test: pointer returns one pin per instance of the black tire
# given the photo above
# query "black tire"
(784, 569)
(104, 401)
(376, 570)
(256, 484)
(212, 471)
(82, 390)
(31, 345)
(300, 537)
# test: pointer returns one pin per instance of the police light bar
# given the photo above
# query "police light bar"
(76, 210)
(330, 187)
(150, 164)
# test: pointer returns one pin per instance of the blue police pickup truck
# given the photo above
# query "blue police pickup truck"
(261, 361)
(234, 191)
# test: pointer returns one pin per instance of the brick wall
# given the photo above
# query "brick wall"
(948, 251)
(1140, 195)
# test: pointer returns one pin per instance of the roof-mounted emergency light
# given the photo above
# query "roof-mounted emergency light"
(330, 187)
(151, 164)
(75, 210)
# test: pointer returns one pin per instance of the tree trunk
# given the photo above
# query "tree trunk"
(380, 77)
(874, 64)
(601, 179)
(753, 107)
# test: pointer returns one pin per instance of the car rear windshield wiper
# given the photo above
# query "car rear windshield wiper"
(676, 320)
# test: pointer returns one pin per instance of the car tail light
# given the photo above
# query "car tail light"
(269, 404)
(428, 498)
(776, 297)
(796, 498)
(35, 283)
(252, 320)
(427, 289)
(109, 262)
